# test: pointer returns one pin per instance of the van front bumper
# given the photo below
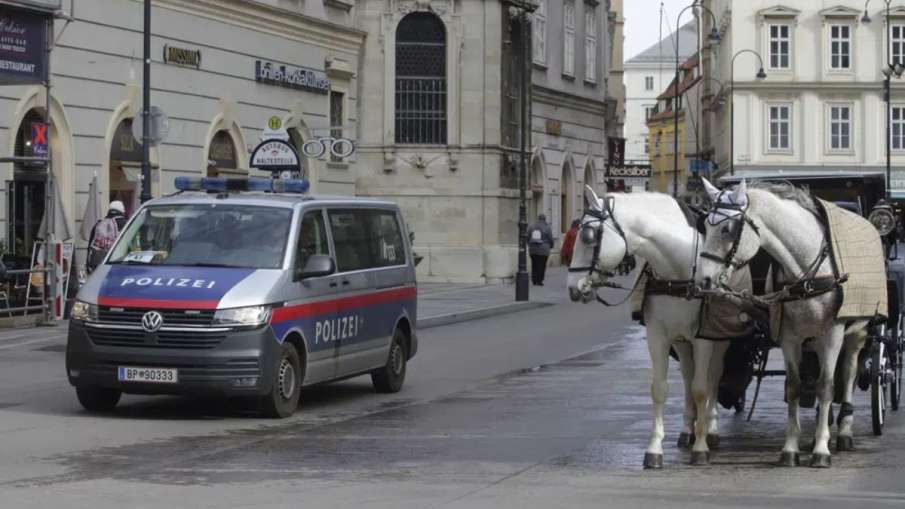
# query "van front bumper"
(240, 364)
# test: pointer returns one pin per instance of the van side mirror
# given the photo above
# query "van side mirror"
(318, 265)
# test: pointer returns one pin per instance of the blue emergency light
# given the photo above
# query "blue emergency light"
(223, 184)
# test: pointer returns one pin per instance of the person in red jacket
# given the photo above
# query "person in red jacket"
(568, 244)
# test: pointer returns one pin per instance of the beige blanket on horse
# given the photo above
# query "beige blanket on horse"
(857, 251)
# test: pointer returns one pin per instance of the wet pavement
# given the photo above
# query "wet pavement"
(542, 408)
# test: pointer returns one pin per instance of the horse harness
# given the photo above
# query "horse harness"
(806, 286)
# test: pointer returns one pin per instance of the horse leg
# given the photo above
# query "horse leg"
(686, 363)
(716, 373)
(791, 350)
(658, 345)
(853, 344)
(828, 353)
(701, 389)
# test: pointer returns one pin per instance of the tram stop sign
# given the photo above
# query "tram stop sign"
(276, 156)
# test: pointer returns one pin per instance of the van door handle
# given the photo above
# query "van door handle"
(346, 282)
(333, 284)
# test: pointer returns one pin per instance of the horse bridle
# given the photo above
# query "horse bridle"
(600, 217)
(718, 209)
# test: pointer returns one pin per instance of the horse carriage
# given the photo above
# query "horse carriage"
(880, 362)
(840, 332)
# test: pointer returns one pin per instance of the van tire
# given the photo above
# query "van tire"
(390, 377)
(97, 399)
(286, 386)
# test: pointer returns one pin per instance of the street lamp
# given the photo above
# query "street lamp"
(714, 36)
(892, 69)
(760, 75)
(525, 36)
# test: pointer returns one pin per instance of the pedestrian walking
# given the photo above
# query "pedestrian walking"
(568, 244)
(104, 234)
(540, 242)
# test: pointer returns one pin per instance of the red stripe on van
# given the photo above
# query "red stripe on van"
(338, 305)
(157, 303)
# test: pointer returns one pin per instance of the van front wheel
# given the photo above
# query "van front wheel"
(97, 399)
(286, 385)
(389, 378)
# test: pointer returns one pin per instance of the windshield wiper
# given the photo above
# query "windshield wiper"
(129, 262)
(203, 264)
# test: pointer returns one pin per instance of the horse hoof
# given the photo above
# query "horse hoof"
(713, 441)
(653, 461)
(820, 460)
(845, 443)
(686, 440)
(700, 458)
(789, 459)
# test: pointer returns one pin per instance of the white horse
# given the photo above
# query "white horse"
(652, 227)
(783, 221)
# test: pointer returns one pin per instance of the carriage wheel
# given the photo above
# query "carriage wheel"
(895, 388)
(878, 387)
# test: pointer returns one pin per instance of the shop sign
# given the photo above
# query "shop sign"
(284, 76)
(275, 156)
(23, 46)
(629, 171)
(616, 150)
(340, 148)
(182, 56)
(39, 139)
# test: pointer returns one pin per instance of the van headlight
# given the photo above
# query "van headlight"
(84, 312)
(251, 316)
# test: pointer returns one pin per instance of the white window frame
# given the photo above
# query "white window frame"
(540, 33)
(768, 145)
(849, 41)
(849, 123)
(779, 39)
(590, 44)
(648, 111)
(900, 123)
(649, 79)
(568, 46)
(897, 41)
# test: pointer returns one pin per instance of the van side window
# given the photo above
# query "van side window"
(312, 237)
(386, 238)
(366, 239)
(350, 239)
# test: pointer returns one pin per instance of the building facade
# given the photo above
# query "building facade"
(821, 106)
(220, 69)
(615, 125)
(439, 128)
(647, 75)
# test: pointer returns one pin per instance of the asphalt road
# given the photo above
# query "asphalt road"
(542, 408)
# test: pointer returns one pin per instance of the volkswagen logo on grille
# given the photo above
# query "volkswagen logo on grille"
(151, 321)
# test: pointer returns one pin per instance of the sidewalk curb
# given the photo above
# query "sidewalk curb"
(477, 314)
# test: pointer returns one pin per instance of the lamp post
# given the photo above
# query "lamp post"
(892, 68)
(525, 36)
(146, 108)
(714, 36)
(760, 75)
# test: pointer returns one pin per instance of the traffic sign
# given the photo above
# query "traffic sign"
(160, 126)
(274, 130)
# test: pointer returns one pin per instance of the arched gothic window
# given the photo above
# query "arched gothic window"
(421, 80)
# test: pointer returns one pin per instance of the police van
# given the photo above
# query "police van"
(247, 288)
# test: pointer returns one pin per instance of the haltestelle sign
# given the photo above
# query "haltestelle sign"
(275, 155)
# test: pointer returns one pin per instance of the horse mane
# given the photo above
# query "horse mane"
(786, 191)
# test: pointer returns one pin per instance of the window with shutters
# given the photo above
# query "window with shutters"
(540, 33)
(421, 80)
(590, 45)
(568, 54)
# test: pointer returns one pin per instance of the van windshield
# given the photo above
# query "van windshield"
(205, 235)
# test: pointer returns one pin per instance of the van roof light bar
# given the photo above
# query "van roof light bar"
(224, 184)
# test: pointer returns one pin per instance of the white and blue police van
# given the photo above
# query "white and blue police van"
(246, 288)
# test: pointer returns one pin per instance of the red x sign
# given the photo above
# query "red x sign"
(39, 139)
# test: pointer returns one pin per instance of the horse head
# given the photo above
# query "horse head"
(732, 238)
(599, 249)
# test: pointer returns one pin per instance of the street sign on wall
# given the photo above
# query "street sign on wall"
(23, 46)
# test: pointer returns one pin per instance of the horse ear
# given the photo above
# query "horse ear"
(591, 201)
(712, 191)
(741, 192)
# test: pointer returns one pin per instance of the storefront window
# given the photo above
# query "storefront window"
(125, 167)
(222, 159)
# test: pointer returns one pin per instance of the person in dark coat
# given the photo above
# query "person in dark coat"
(568, 244)
(540, 242)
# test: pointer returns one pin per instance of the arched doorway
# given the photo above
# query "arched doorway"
(567, 194)
(536, 182)
(222, 157)
(26, 193)
(126, 155)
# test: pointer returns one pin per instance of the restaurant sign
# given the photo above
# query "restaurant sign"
(44, 5)
(23, 46)
(284, 76)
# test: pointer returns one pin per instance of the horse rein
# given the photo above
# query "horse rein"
(743, 219)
